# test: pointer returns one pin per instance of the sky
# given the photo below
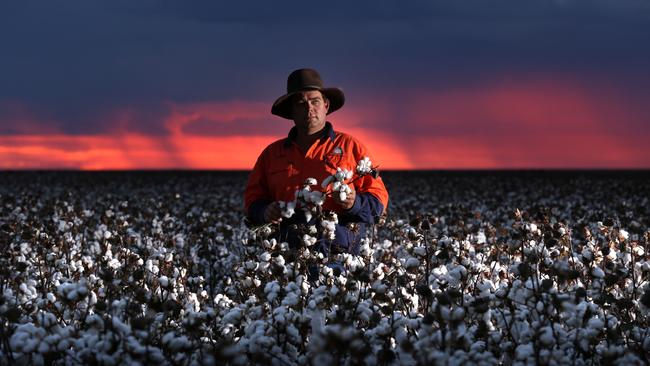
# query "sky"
(458, 84)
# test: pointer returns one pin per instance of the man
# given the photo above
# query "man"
(313, 149)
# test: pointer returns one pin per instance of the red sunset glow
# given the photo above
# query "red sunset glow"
(528, 123)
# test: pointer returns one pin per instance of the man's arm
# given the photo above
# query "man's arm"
(256, 211)
(257, 196)
(365, 209)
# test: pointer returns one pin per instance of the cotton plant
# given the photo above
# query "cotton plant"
(364, 167)
(442, 282)
(310, 201)
(328, 222)
(338, 183)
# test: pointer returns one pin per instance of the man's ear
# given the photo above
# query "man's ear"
(327, 104)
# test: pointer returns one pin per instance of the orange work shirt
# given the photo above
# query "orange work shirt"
(282, 168)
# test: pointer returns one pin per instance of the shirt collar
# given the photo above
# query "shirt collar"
(327, 131)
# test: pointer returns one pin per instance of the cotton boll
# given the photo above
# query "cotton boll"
(342, 174)
(596, 324)
(272, 291)
(626, 258)
(279, 260)
(246, 282)
(270, 244)
(646, 344)
(327, 271)
(524, 351)
(420, 251)
(623, 235)
(328, 224)
(588, 254)
(343, 196)
(120, 326)
(164, 281)
(343, 190)
(334, 290)
(481, 238)
(379, 287)
(458, 313)
(232, 317)
(82, 290)
(179, 343)
(638, 251)
(445, 312)
(316, 198)
(364, 166)
(597, 272)
(412, 263)
(265, 257)
(179, 241)
(612, 255)
(291, 300)
(308, 240)
(365, 249)
(336, 186)
(251, 265)
(288, 208)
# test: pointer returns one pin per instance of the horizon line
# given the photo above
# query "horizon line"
(504, 169)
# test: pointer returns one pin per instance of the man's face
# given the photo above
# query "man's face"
(309, 109)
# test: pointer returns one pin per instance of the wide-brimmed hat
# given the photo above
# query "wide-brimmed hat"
(304, 80)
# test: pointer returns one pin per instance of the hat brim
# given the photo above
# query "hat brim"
(282, 106)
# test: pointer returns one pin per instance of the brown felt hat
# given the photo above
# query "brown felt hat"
(303, 80)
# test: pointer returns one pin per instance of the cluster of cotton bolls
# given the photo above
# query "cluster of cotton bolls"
(338, 183)
(364, 166)
(328, 222)
(475, 268)
(114, 268)
(311, 201)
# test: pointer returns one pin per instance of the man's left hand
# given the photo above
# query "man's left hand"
(349, 199)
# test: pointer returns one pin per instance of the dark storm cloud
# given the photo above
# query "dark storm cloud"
(75, 65)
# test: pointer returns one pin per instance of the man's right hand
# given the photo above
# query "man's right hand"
(273, 213)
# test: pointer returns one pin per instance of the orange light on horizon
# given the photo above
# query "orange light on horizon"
(533, 122)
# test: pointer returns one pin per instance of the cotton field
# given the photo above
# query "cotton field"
(467, 268)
